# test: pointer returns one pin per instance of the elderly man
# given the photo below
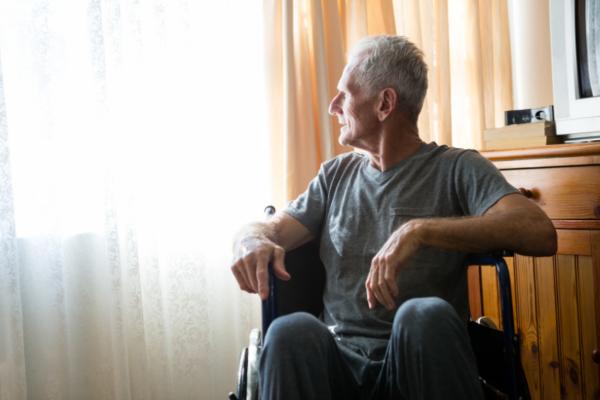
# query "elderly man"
(394, 223)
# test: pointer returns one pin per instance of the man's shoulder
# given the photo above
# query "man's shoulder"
(446, 151)
(465, 162)
(351, 159)
(348, 157)
(451, 155)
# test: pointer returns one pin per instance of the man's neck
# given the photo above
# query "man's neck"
(395, 146)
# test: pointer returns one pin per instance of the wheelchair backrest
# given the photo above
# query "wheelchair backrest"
(304, 292)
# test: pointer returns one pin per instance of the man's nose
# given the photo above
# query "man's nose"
(333, 107)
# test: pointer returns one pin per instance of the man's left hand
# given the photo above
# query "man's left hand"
(381, 282)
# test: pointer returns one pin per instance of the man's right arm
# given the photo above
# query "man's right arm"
(261, 243)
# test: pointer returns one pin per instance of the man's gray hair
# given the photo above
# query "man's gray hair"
(392, 61)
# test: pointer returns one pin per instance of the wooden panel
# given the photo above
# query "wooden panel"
(587, 313)
(563, 193)
(574, 242)
(547, 162)
(490, 295)
(527, 322)
(565, 150)
(570, 354)
(474, 279)
(576, 223)
(548, 336)
(513, 288)
(595, 238)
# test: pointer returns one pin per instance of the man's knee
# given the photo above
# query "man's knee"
(425, 315)
(430, 351)
(295, 331)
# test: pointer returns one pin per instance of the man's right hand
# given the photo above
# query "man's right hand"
(251, 265)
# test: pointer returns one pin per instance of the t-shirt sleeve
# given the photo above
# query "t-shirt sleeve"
(479, 183)
(309, 208)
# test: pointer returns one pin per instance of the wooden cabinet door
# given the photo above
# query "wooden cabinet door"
(557, 317)
(557, 304)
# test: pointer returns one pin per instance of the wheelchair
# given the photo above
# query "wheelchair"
(497, 352)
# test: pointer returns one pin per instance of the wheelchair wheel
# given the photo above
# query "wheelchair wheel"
(254, 349)
(247, 380)
(242, 376)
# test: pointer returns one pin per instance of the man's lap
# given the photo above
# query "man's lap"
(302, 336)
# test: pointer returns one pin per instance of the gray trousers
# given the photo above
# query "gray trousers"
(428, 356)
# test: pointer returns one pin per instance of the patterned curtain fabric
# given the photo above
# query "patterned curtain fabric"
(466, 45)
(132, 146)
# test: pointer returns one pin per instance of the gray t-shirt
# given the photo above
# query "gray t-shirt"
(353, 208)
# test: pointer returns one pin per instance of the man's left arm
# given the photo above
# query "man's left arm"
(513, 223)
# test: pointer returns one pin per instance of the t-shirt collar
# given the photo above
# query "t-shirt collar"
(380, 176)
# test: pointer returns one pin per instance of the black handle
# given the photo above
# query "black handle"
(269, 210)
(526, 192)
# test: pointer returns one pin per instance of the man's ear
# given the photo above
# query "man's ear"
(388, 100)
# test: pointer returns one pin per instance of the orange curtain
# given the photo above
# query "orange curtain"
(466, 45)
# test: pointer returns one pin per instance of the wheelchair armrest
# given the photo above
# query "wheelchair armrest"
(487, 258)
(269, 306)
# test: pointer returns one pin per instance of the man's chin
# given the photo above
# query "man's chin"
(343, 139)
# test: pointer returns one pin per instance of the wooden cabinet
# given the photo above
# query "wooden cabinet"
(556, 299)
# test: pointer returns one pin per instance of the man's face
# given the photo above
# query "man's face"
(354, 109)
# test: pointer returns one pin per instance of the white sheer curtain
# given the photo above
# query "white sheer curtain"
(132, 145)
